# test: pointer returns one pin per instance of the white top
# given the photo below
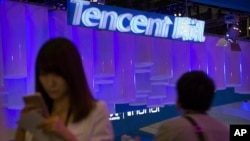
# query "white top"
(180, 129)
(96, 127)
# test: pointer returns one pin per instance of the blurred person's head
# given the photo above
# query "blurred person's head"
(195, 91)
(60, 74)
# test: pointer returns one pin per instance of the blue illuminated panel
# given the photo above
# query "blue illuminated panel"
(133, 113)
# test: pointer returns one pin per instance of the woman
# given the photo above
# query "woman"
(3, 128)
(74, 113)
(195, 94)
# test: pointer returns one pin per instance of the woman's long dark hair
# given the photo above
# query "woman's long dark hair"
(60, 56)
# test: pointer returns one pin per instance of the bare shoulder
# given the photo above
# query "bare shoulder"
(101, 106)
(175, 122)
(101, 103)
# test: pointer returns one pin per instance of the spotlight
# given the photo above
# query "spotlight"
(232, 34)
(102, 2)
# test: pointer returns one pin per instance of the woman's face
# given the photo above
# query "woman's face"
(54, 85)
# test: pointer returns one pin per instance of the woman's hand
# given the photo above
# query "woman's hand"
(20, 132)
(28, 108)
(53, 126)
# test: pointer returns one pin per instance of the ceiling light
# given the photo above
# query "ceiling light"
(232, 34)
(99, 1)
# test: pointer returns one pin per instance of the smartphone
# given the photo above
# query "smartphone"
(37, 101)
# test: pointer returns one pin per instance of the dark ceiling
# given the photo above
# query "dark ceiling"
(211, 11)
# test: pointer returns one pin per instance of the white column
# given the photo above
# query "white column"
(216, 62)
(14, 40)
(198, 56)
(1, 48)
(232, 68)
(37, 34)
(244, 88)
(103, 54)
(162, 59)
(181, 60)
(124, 80)
(143, 51)
(83, 39)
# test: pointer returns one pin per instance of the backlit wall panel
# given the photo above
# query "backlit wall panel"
(3, 131)
(142, 82)
(37, 33)
(154, 102)
(14, 40)
(162, 66)
(158, 91)
(85, 47)
(103, 54)
(216, 62)
(143, 51)
(120, 68)
(244, 88)
(198, 57)
(171, 95)
(181, 59)
(232, 68)
(106, 92)
(139, 101)
(57, 26)
(124, 80)
(1, 54)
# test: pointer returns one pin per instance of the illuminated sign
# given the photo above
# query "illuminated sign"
(123, 115)
(87, 14)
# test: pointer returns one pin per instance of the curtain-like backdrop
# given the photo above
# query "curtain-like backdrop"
(133, 69)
